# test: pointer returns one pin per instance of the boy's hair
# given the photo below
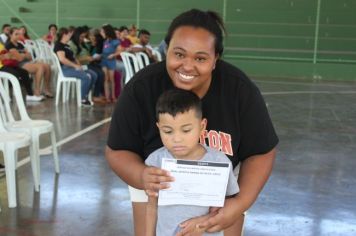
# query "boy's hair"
(176, 101)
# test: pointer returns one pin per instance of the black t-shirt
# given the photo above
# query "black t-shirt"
(19, 47)
(238, 121)
(67, 51)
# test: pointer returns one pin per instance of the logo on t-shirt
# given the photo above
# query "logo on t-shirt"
(218, 140)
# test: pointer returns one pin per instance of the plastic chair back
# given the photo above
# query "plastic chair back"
(131, 65)
(142, 60)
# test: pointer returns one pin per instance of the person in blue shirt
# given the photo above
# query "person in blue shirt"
(108, 61)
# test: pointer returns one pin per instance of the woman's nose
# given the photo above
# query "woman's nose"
(188, 64)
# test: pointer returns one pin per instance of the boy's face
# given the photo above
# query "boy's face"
(180, 134)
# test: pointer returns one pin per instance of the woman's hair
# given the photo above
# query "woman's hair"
(208, 20)
(52, 25)
(62, 31)
(12, 30)
(76, 38)
(176, 101)
(122, 28)
(109, 31)
(26, 34)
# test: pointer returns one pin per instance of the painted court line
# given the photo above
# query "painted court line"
(303, 83)
(308, 92)
(47, 150)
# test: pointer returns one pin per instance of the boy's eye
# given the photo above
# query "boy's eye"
(186, 130)
(167, 131)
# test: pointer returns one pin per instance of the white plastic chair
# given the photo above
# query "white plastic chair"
(33, 49)
(65, 82)
(10, 142)
(142, 60)
(25, 124)
(131, 65)
(157, 54)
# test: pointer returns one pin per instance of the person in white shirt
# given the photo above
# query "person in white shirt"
(144, 45)
(5, 33)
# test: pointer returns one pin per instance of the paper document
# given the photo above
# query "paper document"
(196, 183)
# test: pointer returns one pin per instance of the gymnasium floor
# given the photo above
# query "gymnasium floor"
(311, 191)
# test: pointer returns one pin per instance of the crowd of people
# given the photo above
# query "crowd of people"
(91, 55)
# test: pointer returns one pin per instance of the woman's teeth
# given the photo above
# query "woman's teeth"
(186, 77)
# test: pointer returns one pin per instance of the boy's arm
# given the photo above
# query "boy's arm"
(151, 216)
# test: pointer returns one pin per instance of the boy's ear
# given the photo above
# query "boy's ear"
(157, 124)
(203, 124)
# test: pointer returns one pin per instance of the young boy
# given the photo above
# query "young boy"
(180, 123)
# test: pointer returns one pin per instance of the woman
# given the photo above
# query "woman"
(23, 34)
(125, 46)
(9, 65)
(238, 120)
(82, 54)
(38, 69)
(70, 66)
(108, 61)
(51, 36)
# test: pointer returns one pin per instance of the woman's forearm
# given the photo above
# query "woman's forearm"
(253, 175)
(127, 165)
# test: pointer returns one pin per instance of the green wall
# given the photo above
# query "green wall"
(284, 38)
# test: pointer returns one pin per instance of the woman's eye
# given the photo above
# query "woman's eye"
(200, 59)
(186, 130)
(179, 55)
(167, 131)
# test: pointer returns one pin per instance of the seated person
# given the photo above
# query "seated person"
(144, 45)
(132, 36)
(23, 34)
(9, 65)
(5, 30)
(70, 66)
(82, 55)
(51, 36)
(125, 46)
(38, 69)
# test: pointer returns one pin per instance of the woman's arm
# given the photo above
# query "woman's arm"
(254, 173)
(151, 216)
(62, 58)
(15, 54)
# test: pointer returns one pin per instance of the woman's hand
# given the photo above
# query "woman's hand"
(217, 220)
(155, 179)
(78, 67)
(192, 227)
(111, 56)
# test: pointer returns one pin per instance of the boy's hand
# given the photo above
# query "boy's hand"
(155, 179)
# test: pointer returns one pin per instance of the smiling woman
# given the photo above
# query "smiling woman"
(232, 104)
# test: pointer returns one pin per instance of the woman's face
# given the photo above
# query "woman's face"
(82, 37)
(92, 39)
(191, 59)
(53, 30)
(67, 37)
(102, 33)
(22, 31)
(124, 34)
(15, 35)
